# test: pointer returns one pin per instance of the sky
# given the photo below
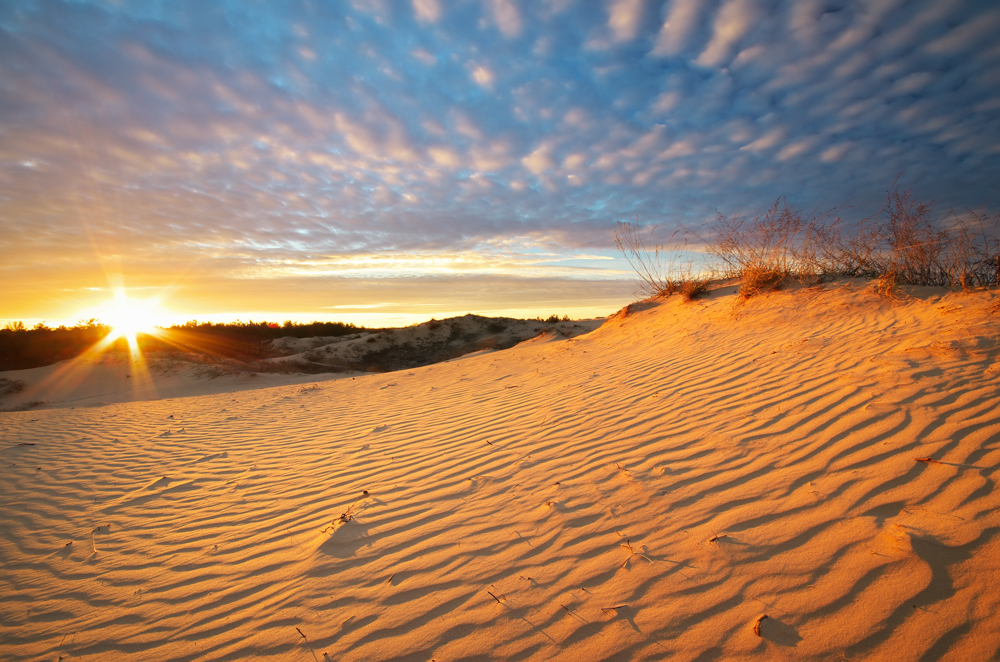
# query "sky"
(385, 162)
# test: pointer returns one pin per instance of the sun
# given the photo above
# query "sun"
(128, 317)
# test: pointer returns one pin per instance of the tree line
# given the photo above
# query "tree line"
(22, 347)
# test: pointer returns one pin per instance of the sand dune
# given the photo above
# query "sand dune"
(97, 379)
(647, 491)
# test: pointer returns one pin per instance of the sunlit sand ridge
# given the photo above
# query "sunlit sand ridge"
(650, 490)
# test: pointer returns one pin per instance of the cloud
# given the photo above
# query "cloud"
(677, 29)
(427, 11)
(968, 35)
(482, 75)
(161, 134)
(540, 160)
(624, 18)
(507, 17)
(731, 24)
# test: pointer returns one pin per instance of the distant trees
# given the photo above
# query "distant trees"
(22, 348)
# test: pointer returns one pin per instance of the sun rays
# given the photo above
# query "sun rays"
(127, 317)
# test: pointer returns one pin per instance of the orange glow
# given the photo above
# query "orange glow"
(129, 317)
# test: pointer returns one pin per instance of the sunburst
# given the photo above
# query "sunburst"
(127, 317)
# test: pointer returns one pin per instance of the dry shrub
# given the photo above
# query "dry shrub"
(692, 288)
(901, 244)
(887, 286)
(765, 250)
(756, 281)
(10, 386)
(661, 269)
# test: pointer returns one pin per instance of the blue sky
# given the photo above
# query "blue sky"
(305, 159)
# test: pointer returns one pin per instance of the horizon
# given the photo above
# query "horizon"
(303, 321)
(391, 163)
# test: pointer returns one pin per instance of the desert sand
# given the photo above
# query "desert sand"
(647, 491)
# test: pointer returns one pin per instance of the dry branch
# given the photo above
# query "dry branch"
(756, 625)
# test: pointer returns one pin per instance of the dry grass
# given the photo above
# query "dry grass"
(765, 250)
(692, 288)
(653, 263)
(11, 386)
(663, 270)
(761, 280)
(887, 286)
(903, 244)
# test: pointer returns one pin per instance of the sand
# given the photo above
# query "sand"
(646, 491)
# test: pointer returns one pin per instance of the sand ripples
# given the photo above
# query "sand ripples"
(644, 492)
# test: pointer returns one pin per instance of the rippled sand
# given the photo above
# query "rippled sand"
(647, 491)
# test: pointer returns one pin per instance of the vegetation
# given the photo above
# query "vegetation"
(246, 345)
(901, 244)
(22, 348)
(662, 269)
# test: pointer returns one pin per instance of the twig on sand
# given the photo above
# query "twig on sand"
(346, 516)
(608, 610)
(717, 537)
(301, 633)
(628, 545)
(928, 460)
(495, 597)
(756, 625)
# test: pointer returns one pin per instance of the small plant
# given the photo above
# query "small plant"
(693, 288)
(765, 250)
(760, 280)
(662, 269)
(10, 386)
(887, 286)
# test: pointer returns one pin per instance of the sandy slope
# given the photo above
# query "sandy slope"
(94, 379)
(646, 492)
(422, 344)
(94, 382)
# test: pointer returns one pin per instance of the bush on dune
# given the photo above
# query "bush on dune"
(765, 250)
(662, 269)
(901, 244)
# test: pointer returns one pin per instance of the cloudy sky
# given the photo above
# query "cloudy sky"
(393, 160)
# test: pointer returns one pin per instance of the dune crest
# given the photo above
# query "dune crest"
(650, 490)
